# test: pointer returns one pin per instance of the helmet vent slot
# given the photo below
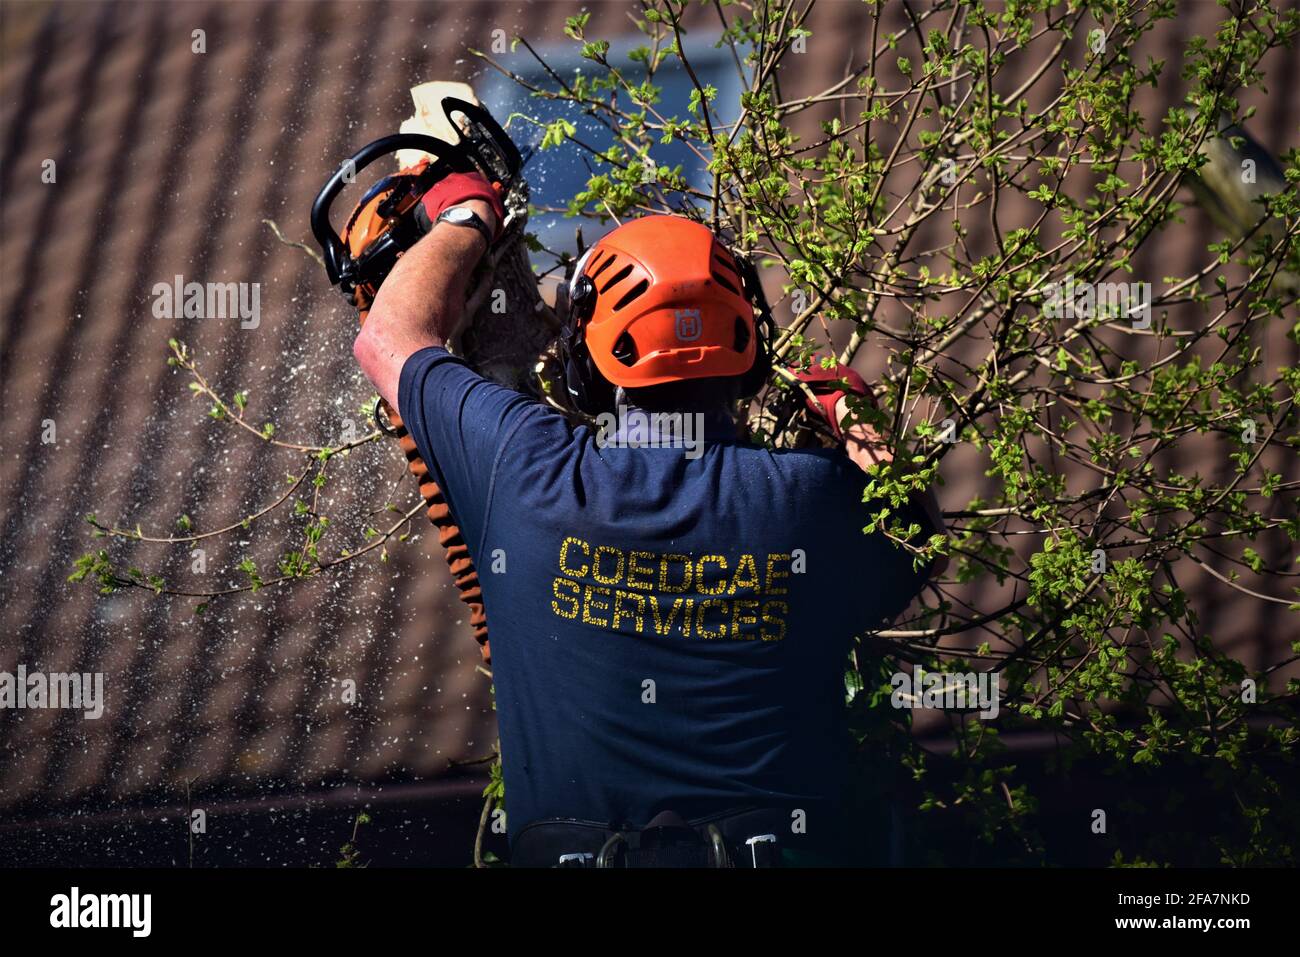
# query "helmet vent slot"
(742, 335)
(617, 277)
(725, 283)
(632, 293)
(601, 268)
(625, 350)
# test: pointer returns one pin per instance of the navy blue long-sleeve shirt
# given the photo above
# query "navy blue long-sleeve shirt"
(669, 625)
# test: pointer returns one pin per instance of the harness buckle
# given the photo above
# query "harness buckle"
(575, 860)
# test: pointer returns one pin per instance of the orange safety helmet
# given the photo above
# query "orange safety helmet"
(660, 299)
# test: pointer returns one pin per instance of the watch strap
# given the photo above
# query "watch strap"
(472, 219)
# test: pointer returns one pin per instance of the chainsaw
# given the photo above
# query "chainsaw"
(384, 223)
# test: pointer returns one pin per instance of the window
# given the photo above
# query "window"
(555, 175)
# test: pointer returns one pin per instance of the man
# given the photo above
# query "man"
(669, 625)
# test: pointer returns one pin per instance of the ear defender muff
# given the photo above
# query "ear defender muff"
(575, 299)
(764, 329)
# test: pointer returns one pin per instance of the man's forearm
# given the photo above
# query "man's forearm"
(866, 448)
(420, 304)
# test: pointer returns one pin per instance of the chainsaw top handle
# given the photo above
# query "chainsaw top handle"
(481, 136)
(339, 265)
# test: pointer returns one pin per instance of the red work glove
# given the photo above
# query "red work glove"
(828, 386)
(457, 188)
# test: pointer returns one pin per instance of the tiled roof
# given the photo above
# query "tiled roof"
(167, 161)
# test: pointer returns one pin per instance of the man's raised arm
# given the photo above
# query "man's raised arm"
(422, 302)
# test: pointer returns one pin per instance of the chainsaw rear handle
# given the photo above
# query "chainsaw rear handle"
(339, 265)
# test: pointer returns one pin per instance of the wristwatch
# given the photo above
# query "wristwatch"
(464, 216)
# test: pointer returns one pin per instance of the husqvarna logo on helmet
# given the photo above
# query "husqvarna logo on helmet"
(689, 324)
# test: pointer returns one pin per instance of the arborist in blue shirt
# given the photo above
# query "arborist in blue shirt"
(673, 607)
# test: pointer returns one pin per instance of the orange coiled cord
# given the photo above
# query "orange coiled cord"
(455, 550)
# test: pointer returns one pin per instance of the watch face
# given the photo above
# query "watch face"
(459, 214)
